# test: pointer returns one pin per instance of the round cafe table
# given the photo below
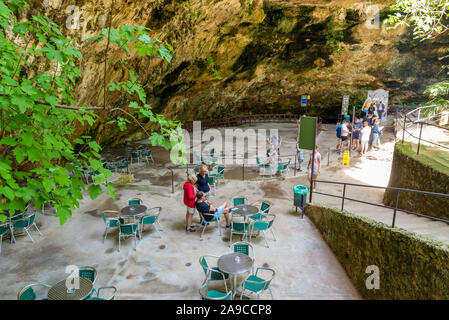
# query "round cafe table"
(132, 211)
(235, 263)
(59, 290)
(245, 210)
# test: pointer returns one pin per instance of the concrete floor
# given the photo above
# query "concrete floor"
(168, 268)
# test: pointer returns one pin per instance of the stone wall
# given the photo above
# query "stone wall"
(411, 267)
(408, 171)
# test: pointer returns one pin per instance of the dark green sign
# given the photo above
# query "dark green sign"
(307, 131)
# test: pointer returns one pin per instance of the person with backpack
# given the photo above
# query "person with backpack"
(338, 129)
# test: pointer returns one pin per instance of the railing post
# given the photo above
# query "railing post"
(328, 155)
(403, 128)
(243, 171)
(395, 208)
(172, 181)
(419, 141)
(343, 199)
(296, 157)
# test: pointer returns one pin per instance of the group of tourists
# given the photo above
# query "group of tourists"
(196, 192)
(365, 133)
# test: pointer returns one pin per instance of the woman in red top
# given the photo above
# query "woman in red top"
(190, 191)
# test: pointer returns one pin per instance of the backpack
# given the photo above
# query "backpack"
(339, 131)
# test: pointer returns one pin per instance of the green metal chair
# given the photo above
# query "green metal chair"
(110, 222)
(147, 155)
(134, 201)
(260, 164)
(219, 175)
(264, 209)
(283, 167)
(239, 201)
(128, 230)
(212, 273)
(89, 273)
(238, 226)
(135, 156)
(256, 285)
(4, 228)
(263, 226)
(212, 183)
(207, 294)
(25, 224)
(28, 292)
(205, 222)
(150, 219)
(245, 248)
(112, 297)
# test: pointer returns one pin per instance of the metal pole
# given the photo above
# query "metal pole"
(419, 141)
(395, 208)
(172, 181)
(403, 128)
(328, 155)
(243, 171)
(296, 157)
(313, 161)
(343, 199)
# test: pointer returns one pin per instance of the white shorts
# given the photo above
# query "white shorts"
(315, 172)
(190, 210)
(364, 143)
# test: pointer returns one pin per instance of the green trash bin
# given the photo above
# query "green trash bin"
(347, 117)
(300, 196)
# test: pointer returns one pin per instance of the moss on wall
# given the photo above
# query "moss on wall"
(411, 266)
(414, 172)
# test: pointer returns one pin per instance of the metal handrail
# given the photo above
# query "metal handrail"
(395, 208)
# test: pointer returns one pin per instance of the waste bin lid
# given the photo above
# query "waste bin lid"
(299, 189)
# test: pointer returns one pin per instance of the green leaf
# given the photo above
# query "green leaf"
(94, 191)
(111, 191)
(8, 141)
(48, 184)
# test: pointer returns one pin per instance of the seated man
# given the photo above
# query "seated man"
(210, 212)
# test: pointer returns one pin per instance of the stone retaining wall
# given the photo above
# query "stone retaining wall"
(410, 173)
(410, 266)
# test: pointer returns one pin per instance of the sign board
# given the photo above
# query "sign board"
(345, 105)
(378, 102)
(307, 131)
(304, 100)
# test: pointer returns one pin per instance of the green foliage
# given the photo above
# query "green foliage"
(213, 70)
(334, 35)
(428, 17)
(37, 158)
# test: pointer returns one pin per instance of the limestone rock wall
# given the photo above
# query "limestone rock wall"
(410, 267)
(267, 53)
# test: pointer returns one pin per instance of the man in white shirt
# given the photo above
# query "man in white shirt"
(344, 135)
(365, 135)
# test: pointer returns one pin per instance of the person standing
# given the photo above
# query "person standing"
(365, 135)
(356, 134)
(316, 166)
(344, 135)
(203, 180)
(376, 135)
(300, 157)
(276, 141)
(338, 129)
(190, 191)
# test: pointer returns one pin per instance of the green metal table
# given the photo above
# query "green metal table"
(60, 292)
